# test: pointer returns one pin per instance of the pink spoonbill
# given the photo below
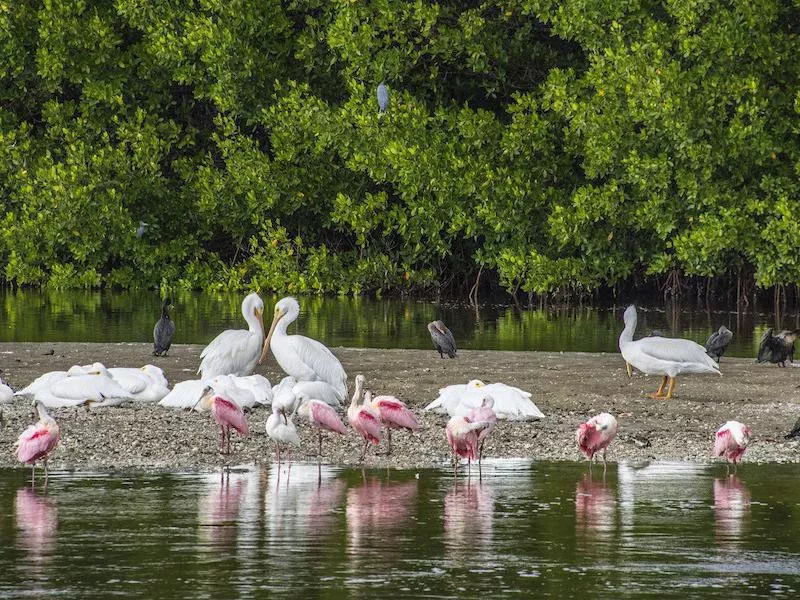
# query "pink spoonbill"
(595, 435)
(394, 414)
(283, 432)
(226, 413)
(462, 435)
(38, 441)
(364, 419)
(483, 414)
(323, 417)
(731, 442)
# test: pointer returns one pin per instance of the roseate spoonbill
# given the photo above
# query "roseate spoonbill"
(236, 351)
(163, 331)
(442, 339)
(731, 442)
(462, 435)
(483, 414)
(281, 429)
(668, 357)
(777, 348)
(595, 435)
(289, 394)
(718, 342)
(323, 417)
(6, 393)
(510, 403)
(364, 419)
(301, 357)
(394, 414)
(226, 413)
(38, 441)
(383, 97)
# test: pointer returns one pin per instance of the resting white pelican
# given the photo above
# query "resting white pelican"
(301, 357)
(668, 357)
(147, 384)
(41, 382)
(81, 389)
(236, 351)
(246, 392)
(510, 403)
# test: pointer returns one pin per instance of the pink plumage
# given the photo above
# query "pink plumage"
(324, 416)
(483, 414)
(731, 441)
(394, 413)
(38, 440)
(596, 434)
(366, 421)
(229, 414)
(463, 437)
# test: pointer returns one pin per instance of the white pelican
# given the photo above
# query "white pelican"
(6, 393)
(668, 357)
(236, 351)
(41, 382)
(510, 403)
(259, 386)
(241, 390)
(81, 389)
(147, 384)
(301, 357)
(184, 394)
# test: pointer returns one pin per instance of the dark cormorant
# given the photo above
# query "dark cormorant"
(442, 339)
(163, 331)
(718, 342)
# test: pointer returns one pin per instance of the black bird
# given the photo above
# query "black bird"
(163, 331)
(795, 432)
(777, 348)
(718, 342)
(442, 339)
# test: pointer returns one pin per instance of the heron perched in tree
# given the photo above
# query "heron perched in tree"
(718, 342)
(777, 348)
(383, 97)
(163, 331)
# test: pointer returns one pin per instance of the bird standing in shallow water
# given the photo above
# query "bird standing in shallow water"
(364, 419)
(236, 351)
(718, 342)
(227, 414)
(462, 436)
(394, 414)
(282, 430)
(323, 417)
(731, 441)
(442, 339)
(483, 414)
(38, 441)
(163, 331)
(595, 435)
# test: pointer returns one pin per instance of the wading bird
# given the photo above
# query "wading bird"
(394, 414)
(595, 435)
(510, 402)
(226, 413)
(236, 351)
(323, 417)
(731, 441)
(364, 419)
(462, 436)
(442, 339)
(38, 441)
(383, 97)
(777, 348)
(163, 331)
(668, 357)
(299, 356)
(281, 429)
(718, 342)
(483, 414)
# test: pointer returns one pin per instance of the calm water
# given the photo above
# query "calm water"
(32, 315)
(661, 530)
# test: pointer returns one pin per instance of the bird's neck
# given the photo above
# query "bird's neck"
(252, 323)
(356, 399)
(627, 333)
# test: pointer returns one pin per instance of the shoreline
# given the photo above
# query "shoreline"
(567, 387)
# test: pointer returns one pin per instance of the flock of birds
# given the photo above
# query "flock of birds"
(315, 388)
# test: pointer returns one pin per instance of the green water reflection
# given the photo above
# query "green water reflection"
(659, 530)
(96, 316)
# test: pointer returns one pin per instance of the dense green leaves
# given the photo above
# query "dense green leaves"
(566, 145)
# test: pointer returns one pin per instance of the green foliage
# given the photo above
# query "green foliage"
(559, 145)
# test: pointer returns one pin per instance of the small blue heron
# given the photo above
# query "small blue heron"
(141, 229)
(383, 97)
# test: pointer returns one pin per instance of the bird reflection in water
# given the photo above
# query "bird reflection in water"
(375, 509)
(731, 510)
(219, 510)
(595, 510)
(468, 519)
(37, 525)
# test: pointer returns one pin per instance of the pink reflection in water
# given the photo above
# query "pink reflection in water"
(731, 508)
(377, 507)
(595, 509)
(37, 524)
(218, 511)
(468, 518)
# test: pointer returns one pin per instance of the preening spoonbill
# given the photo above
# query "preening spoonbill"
(163, 331)
(668, 357)
(364, 419)
(442, 339)
(236, 351)
(595, 435)
(731, 441)
(323, 417)
(299, 356)
(38, 441)
(226, 413)
(394, 414)
(462, 435)
(281, 429)
(483, 414)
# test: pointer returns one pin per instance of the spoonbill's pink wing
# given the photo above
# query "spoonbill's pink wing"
(368, 424)
(325, 417)
(36, 441)
(395, 413)
(228, 413)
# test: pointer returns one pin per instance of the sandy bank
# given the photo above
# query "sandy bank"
(567, 387)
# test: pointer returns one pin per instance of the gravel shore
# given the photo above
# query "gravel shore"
(567, 387)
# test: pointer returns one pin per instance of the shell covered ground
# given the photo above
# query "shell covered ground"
(567, 387)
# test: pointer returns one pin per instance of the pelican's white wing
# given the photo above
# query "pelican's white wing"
(317, 390)
(185, 394)
(690, 356)
(259, 386)
(310, 360)
(41, 382)
(512, 403)
(232, 352)
(448, 396)
(228, 386)
(73, 391)
(131, 380)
